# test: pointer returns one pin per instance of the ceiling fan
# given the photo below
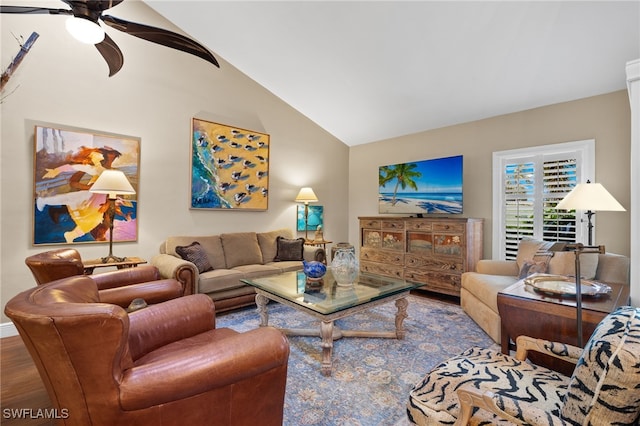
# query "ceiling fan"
(90, 12)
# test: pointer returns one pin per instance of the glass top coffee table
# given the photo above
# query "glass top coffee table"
(328, 301)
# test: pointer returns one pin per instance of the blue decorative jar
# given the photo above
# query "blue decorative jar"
(314, 270)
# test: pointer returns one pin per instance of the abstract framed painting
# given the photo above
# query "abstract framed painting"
(315, 218)
(229, 167)
(66, 164)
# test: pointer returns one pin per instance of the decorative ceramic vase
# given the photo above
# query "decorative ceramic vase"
(344, 266)
(314, 270)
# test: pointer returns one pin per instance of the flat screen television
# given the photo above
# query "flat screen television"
(421, 187)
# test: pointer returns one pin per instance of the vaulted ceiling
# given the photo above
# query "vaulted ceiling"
(372, 70)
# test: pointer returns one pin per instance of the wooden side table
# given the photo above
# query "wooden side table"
(128, 262)
(318, 243)
(525, 311)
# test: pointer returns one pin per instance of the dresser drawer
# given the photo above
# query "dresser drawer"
(449, 227)
(392, 224)
(382, 269)
(419, 225)
(440, 282)
(370, 223)
(382, 256)
(434, 263)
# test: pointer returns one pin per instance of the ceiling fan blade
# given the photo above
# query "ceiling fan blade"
(34, 10)
(163, 37)
(111, 53)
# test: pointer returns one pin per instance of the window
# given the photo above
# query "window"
(527, 185)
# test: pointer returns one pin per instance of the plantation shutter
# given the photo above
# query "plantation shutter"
(532, 186)
(559, 178)
(519, 204)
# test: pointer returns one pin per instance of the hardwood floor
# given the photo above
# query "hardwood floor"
(23, 390)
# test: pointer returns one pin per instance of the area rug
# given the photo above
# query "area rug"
(371, 377)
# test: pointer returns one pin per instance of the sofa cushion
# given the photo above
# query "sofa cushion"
(564, 263)
(289, 249)
(267, 242)
(195, 254)
(257, 270)
(211, 244)
(219, 279)
(486, 287)
(434, 400)
(241, 248)
(286, 265)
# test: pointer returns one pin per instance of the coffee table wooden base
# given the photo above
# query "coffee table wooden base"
(328, 332)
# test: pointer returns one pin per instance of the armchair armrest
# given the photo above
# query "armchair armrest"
(126, 276)
(497, 267)
(194, 369)
(561, 351)
(170, 321)
(152, 292)
(181, 270)
(310, 253)
(471, 397)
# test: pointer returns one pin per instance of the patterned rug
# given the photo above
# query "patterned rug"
(371, 377)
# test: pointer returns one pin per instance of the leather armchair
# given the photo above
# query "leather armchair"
(117, 287)
(165, 364)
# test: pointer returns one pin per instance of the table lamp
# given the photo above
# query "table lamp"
(590, 197)
(112, 183)
(306, 196)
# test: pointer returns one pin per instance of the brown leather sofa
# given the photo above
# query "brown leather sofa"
(119, 287)
(166, 364)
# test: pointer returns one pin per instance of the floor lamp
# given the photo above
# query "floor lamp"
(112, 183)
(591, 197)
(306, 196)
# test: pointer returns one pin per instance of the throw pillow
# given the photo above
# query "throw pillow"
(268, 245)
(289, 249)
(195, 254)
(531, 267)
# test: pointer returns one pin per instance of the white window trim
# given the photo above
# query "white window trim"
(585, 171)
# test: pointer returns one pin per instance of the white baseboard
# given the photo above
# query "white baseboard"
(7, 329)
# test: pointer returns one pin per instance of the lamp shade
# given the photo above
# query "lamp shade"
(589, 196)
(306, 195)
(112, 182)
(84, 30)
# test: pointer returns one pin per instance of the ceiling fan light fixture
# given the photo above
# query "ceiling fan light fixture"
(85, 30)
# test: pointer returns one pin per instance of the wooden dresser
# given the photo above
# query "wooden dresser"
(433, 251)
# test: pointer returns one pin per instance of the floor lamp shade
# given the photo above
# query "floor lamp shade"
(591, 197)
(306, 195)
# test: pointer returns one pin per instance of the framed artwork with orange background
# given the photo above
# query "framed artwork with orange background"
(66, 163)
(229, 167)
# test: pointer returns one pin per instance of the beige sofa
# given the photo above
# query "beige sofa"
(232, 257)
(479, 292)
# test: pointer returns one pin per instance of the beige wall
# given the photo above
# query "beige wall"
(605, 118)
(159, 90)
(153, 97)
